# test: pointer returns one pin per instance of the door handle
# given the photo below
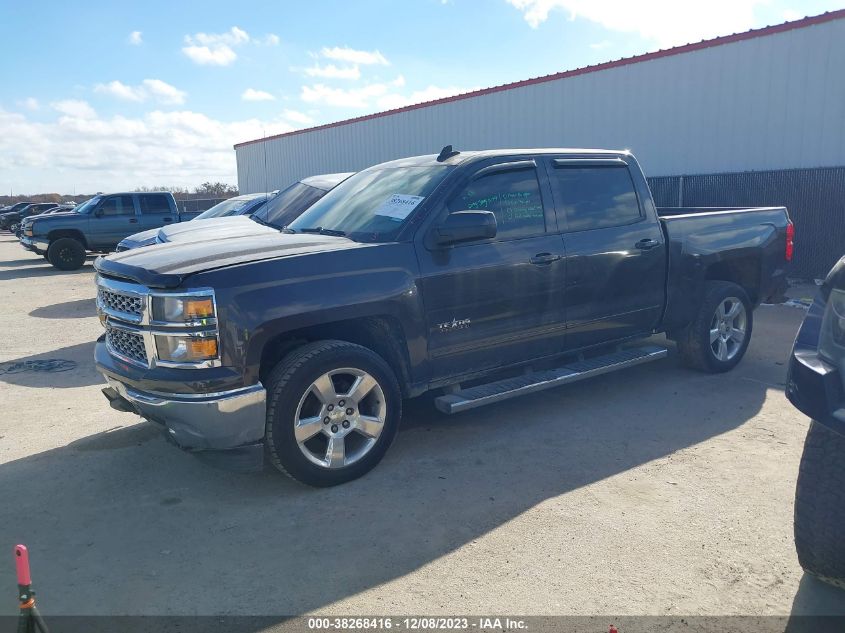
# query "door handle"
(168, 219)
(541, 259)
(133, 220)
(646, 244)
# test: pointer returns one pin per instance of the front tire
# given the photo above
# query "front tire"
(719, 335)
(333, 410)
(66, 253)
(820, 505)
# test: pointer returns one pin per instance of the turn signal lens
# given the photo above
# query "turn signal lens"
(199, 308)
(178, 309)
(185, 349)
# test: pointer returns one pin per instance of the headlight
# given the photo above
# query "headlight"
(832, 338)
(183, 309)
(186, 349)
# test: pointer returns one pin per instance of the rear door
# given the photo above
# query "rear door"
(496, 301)
(615, 251)
(155, 211)
(114, 218)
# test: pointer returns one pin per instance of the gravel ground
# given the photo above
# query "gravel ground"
(656, 491)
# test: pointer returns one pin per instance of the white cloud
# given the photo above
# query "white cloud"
(164, 92)
(30, 103)
(352, 56)
(149, 88)
(74, 108)
(666, 22)
(121, 91)
(80, 148)
(600, 45)
(376, 95)
(251, 94)
(215, 49)
(218, 49)
(135, 38)
(330, 71)
(297, 117)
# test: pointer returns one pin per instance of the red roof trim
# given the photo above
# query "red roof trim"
(677, 50)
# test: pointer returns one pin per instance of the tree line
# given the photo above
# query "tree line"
(205, 190)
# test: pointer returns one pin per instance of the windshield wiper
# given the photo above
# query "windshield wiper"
(322, 231)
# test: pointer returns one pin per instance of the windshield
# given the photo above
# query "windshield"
(86, 206)
(232, 206)
(288, 204)
(372, 205)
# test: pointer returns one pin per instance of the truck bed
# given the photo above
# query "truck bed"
(745, 244)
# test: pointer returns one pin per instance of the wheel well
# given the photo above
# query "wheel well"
(59, 233)
(381, 334)
(743, 271)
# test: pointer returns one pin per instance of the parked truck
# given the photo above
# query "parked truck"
(479, 275)
(98, 225)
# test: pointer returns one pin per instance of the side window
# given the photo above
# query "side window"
(118, 205)
(595, 197)
(156, 203)
(512, 196)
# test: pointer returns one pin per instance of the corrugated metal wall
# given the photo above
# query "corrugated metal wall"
(815, 199)
(771, 102)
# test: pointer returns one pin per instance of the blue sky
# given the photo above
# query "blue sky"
(101, 96)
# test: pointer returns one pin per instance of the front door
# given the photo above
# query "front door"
(497, 301)
(113, 219)
(615, 251)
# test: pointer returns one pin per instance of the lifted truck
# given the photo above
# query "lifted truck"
(483, 275)
(98, 225)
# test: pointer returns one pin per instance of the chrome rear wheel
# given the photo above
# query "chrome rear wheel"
(728, 329)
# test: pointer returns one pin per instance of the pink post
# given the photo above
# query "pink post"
(22, 564)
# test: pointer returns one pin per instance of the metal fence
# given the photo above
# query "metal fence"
(194, 206)
(815, 199)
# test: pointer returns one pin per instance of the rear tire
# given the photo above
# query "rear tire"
(66, 253)
(711, 342)
(350, 429)
(820, 506)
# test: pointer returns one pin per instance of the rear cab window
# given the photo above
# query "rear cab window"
(154, 203)
(593, 196)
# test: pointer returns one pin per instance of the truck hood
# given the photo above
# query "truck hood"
(167, 265)
(213, 229)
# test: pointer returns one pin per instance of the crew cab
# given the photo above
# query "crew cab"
(816, 386)
(270, 212)
(98, 225)
(480, 275)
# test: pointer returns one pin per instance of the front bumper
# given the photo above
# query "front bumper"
(814, 387)
(228, 423)
(35, 244)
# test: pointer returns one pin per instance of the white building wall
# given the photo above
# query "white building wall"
(771, 102)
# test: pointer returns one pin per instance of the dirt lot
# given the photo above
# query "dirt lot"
(654, 491)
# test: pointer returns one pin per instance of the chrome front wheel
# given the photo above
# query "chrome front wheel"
(340, 417)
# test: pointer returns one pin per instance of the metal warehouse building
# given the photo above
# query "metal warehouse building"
(755, 118)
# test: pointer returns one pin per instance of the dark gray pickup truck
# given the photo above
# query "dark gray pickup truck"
(98, 225)
(481, 275)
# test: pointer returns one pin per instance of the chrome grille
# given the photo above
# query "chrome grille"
(127, 344)
(118, 302)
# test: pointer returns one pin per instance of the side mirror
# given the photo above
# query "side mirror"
(465, 226)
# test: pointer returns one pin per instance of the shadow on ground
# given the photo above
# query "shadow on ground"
(814, 602)
(76, 309)
(82, 375)
(166, 534)
(42, 269)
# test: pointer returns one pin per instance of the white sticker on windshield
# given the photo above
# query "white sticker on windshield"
(398, 206)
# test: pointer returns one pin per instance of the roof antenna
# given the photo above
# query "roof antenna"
(446, 153)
